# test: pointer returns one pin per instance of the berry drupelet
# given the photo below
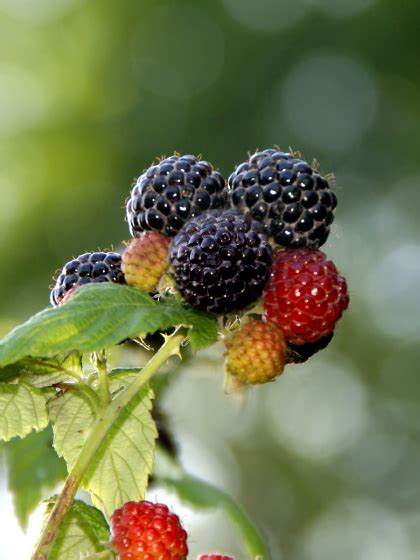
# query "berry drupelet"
(293, 201)
(147, 531)
(89, 268)
(305, 296)
(172, 192)
(221, 261)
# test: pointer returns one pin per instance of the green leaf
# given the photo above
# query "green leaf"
(201, 495)
(123, 462)
(204, 330)
(72, 414)
(33, 471)
(10, 373)
(99, 316)
(23, 409)
(83, 532)
(43, 372)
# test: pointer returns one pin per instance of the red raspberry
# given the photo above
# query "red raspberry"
(305, 295)
(256, 353)
(214, 557)
(146, 531)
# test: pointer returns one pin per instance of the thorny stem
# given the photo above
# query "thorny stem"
(98, 432)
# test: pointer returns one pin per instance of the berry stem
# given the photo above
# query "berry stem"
(169, 472)
(98, 432)
(252, 539)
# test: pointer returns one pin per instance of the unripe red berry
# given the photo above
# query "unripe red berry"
(256, 353)
(145, 260)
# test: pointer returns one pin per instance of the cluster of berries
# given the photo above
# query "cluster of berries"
(147, 531)
(228, 246)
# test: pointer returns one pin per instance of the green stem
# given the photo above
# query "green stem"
(97, 435)
(252, 538)
(205, 495)
(78, 378)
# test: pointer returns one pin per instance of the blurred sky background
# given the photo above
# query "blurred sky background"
(327, 459)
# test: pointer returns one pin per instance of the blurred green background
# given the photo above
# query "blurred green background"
(327, 459)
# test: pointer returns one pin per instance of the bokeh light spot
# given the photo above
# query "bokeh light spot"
(23, 100)
(36, 10)
(394, 292)
(320, 411)
(359, 529)
(342, 8)
(328, 101)
(266, 15)
(184, 65)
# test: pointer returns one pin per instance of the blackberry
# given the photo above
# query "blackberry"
(172, 192)
(222, 261)
(300, 353)
(86, 269)
(293, 201)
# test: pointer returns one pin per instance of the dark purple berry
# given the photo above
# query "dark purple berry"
(170, 193)
(89, 268)
(293, 202)
(221, 261)
(299, 353)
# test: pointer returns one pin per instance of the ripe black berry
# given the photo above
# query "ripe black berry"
(292, 200)
(221, 261)
(172, 192)
(300, 353)
(86, 269)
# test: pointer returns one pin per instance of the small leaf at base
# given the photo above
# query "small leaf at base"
(83, 532)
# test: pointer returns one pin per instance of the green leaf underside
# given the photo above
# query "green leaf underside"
(33, 471)
(120, 469)
(43, 372)
(22, 409)
(123, 463)
(72, 415)
(83, 532)
(99, 316)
